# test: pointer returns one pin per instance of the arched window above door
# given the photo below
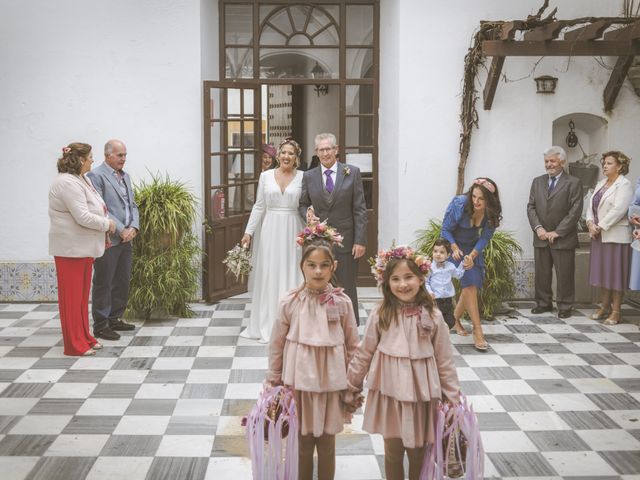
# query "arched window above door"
(299, 25)
(286, 41)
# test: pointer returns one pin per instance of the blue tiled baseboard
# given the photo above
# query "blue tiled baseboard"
(28, 282)
(36, 281)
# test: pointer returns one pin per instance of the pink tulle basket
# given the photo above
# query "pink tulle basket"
(272, 432)
(457, 451)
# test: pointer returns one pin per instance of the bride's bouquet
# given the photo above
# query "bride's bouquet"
(238, 261)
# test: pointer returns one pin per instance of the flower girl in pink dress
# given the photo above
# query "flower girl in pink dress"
(311, 344)
(407, 357)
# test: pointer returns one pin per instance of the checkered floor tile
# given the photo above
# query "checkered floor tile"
(555, 399)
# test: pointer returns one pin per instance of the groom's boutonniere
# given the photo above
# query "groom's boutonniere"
(346, 171)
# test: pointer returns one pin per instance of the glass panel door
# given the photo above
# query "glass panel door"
(231, 147)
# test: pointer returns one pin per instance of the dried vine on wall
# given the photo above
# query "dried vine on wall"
(474, 60)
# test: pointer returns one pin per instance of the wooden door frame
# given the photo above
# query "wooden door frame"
(342, 83)
(231, 227)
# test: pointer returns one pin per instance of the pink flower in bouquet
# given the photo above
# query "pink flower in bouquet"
(319, 230)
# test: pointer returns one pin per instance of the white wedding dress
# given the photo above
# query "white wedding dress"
(273, 226)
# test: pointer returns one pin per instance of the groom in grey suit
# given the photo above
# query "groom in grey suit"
(112, 271)
(554, 209)
(335, 192)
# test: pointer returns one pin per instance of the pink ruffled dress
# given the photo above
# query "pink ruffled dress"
(312, 341)
(408, 366)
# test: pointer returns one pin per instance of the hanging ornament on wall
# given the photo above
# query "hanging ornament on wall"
(572, 138)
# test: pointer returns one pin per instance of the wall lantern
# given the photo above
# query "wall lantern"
(546, 84)
(319, 73)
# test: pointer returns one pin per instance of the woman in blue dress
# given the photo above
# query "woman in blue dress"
(468, 224)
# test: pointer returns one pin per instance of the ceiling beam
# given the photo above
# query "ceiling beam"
(545, 32)
(628, 33)
(559, 48)
(589, 32)
(509, 29)
(615, 82)
(492, 81)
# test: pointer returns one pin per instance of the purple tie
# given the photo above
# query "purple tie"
(329, 185)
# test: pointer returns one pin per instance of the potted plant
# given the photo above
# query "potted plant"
(500, 256)
(166, 251)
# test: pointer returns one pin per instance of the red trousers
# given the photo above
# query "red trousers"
(74, 282)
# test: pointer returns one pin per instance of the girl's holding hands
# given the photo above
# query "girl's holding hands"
(407, 358)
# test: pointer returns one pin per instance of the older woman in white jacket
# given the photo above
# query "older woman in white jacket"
(77, 235)
(610, 235)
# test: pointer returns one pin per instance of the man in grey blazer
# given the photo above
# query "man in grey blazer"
(335, 192)
(554, 209)
(112, 271)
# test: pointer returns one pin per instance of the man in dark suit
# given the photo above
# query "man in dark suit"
(112, 271)
(335, 192)
(554, 209)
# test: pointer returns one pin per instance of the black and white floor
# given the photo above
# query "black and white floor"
(555, 399)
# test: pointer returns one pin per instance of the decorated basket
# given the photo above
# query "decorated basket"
(457, 451)
(272, 432)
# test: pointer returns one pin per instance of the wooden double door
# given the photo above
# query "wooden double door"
(238, 118)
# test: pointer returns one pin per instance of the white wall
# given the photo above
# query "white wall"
(321, 115)
(74, 70)
(420, 102)
(392, 154)
(209, 39)
(89, 71)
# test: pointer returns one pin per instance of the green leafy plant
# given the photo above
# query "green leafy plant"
(166, 252)
(499, 259)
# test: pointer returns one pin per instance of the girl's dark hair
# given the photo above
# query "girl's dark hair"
(493, 210)
(327, 248)
(443, 242)
(389, 308)
(73, 156)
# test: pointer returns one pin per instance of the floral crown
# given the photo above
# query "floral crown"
(398, 252)
(314, 231)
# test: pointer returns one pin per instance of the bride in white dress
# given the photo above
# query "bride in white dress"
(271, 232)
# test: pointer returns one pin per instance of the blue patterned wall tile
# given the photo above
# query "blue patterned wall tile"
(36, 281)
